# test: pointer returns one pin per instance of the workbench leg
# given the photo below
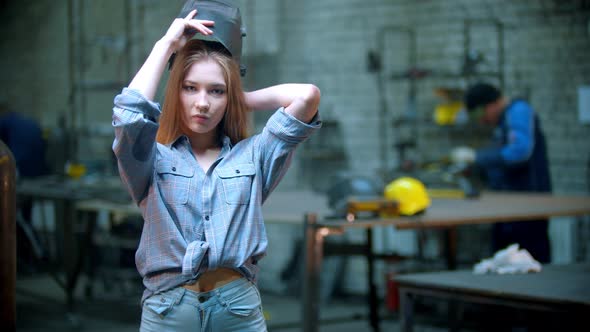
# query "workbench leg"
(65, 222)
(373, 305)
(64, 247)
(314, 243)
(406, 302)
(70, 250)
(455, 315)
(84, 260)
(451, 247)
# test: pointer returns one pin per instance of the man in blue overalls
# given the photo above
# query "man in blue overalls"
(516, 160)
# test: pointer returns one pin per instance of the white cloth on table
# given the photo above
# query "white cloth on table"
(508, 261)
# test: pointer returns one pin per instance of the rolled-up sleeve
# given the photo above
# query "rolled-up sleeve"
(279, 138)
(520, 140)
(289, 129)
(521, 136)
(135, 123)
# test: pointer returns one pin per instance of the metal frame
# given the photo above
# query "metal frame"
(316, 231)
(314, 236)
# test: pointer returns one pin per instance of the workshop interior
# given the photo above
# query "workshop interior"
(448, 187)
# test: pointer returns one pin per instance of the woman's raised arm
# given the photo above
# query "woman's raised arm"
(300, 100)
(180, 31)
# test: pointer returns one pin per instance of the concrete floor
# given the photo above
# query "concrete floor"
(40, 307)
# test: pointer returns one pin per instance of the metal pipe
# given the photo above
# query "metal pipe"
(314, 236)
(313, 242)
(7, 239)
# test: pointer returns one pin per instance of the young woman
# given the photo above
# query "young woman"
(200, 181)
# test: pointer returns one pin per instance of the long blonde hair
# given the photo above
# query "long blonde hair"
(234, 123)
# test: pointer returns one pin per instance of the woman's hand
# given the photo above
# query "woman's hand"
(183, 29)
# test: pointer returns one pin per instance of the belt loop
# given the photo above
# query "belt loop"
(180, 296)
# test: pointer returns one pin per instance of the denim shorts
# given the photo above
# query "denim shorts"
(235, 306)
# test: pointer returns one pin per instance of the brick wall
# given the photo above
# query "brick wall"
(545, 48)
(546, 45)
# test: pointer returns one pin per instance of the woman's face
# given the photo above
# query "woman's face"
(203, 97)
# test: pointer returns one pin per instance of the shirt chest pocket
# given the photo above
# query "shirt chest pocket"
(237, 182)
(174, 180)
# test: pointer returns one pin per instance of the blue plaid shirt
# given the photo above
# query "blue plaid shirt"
(196, 221)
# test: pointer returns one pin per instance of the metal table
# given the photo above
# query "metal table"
(445, 214)
(561, 289)
(65, 194)
(78, 204)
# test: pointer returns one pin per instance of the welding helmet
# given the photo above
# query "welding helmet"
(410, 194)
(228, 30)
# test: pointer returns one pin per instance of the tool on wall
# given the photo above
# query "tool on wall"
(475, 60)
(404, 124)
(479, 61)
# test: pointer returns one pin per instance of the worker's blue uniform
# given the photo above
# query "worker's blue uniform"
(517, 161)
(24, 138)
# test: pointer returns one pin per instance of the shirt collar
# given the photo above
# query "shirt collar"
(226, 145)
(179, 140)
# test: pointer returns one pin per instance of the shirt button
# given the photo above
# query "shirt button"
(207, 218)
(173, 169)
(237, 171)
(162, 300)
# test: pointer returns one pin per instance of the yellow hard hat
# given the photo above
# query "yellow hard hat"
(410, 193)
